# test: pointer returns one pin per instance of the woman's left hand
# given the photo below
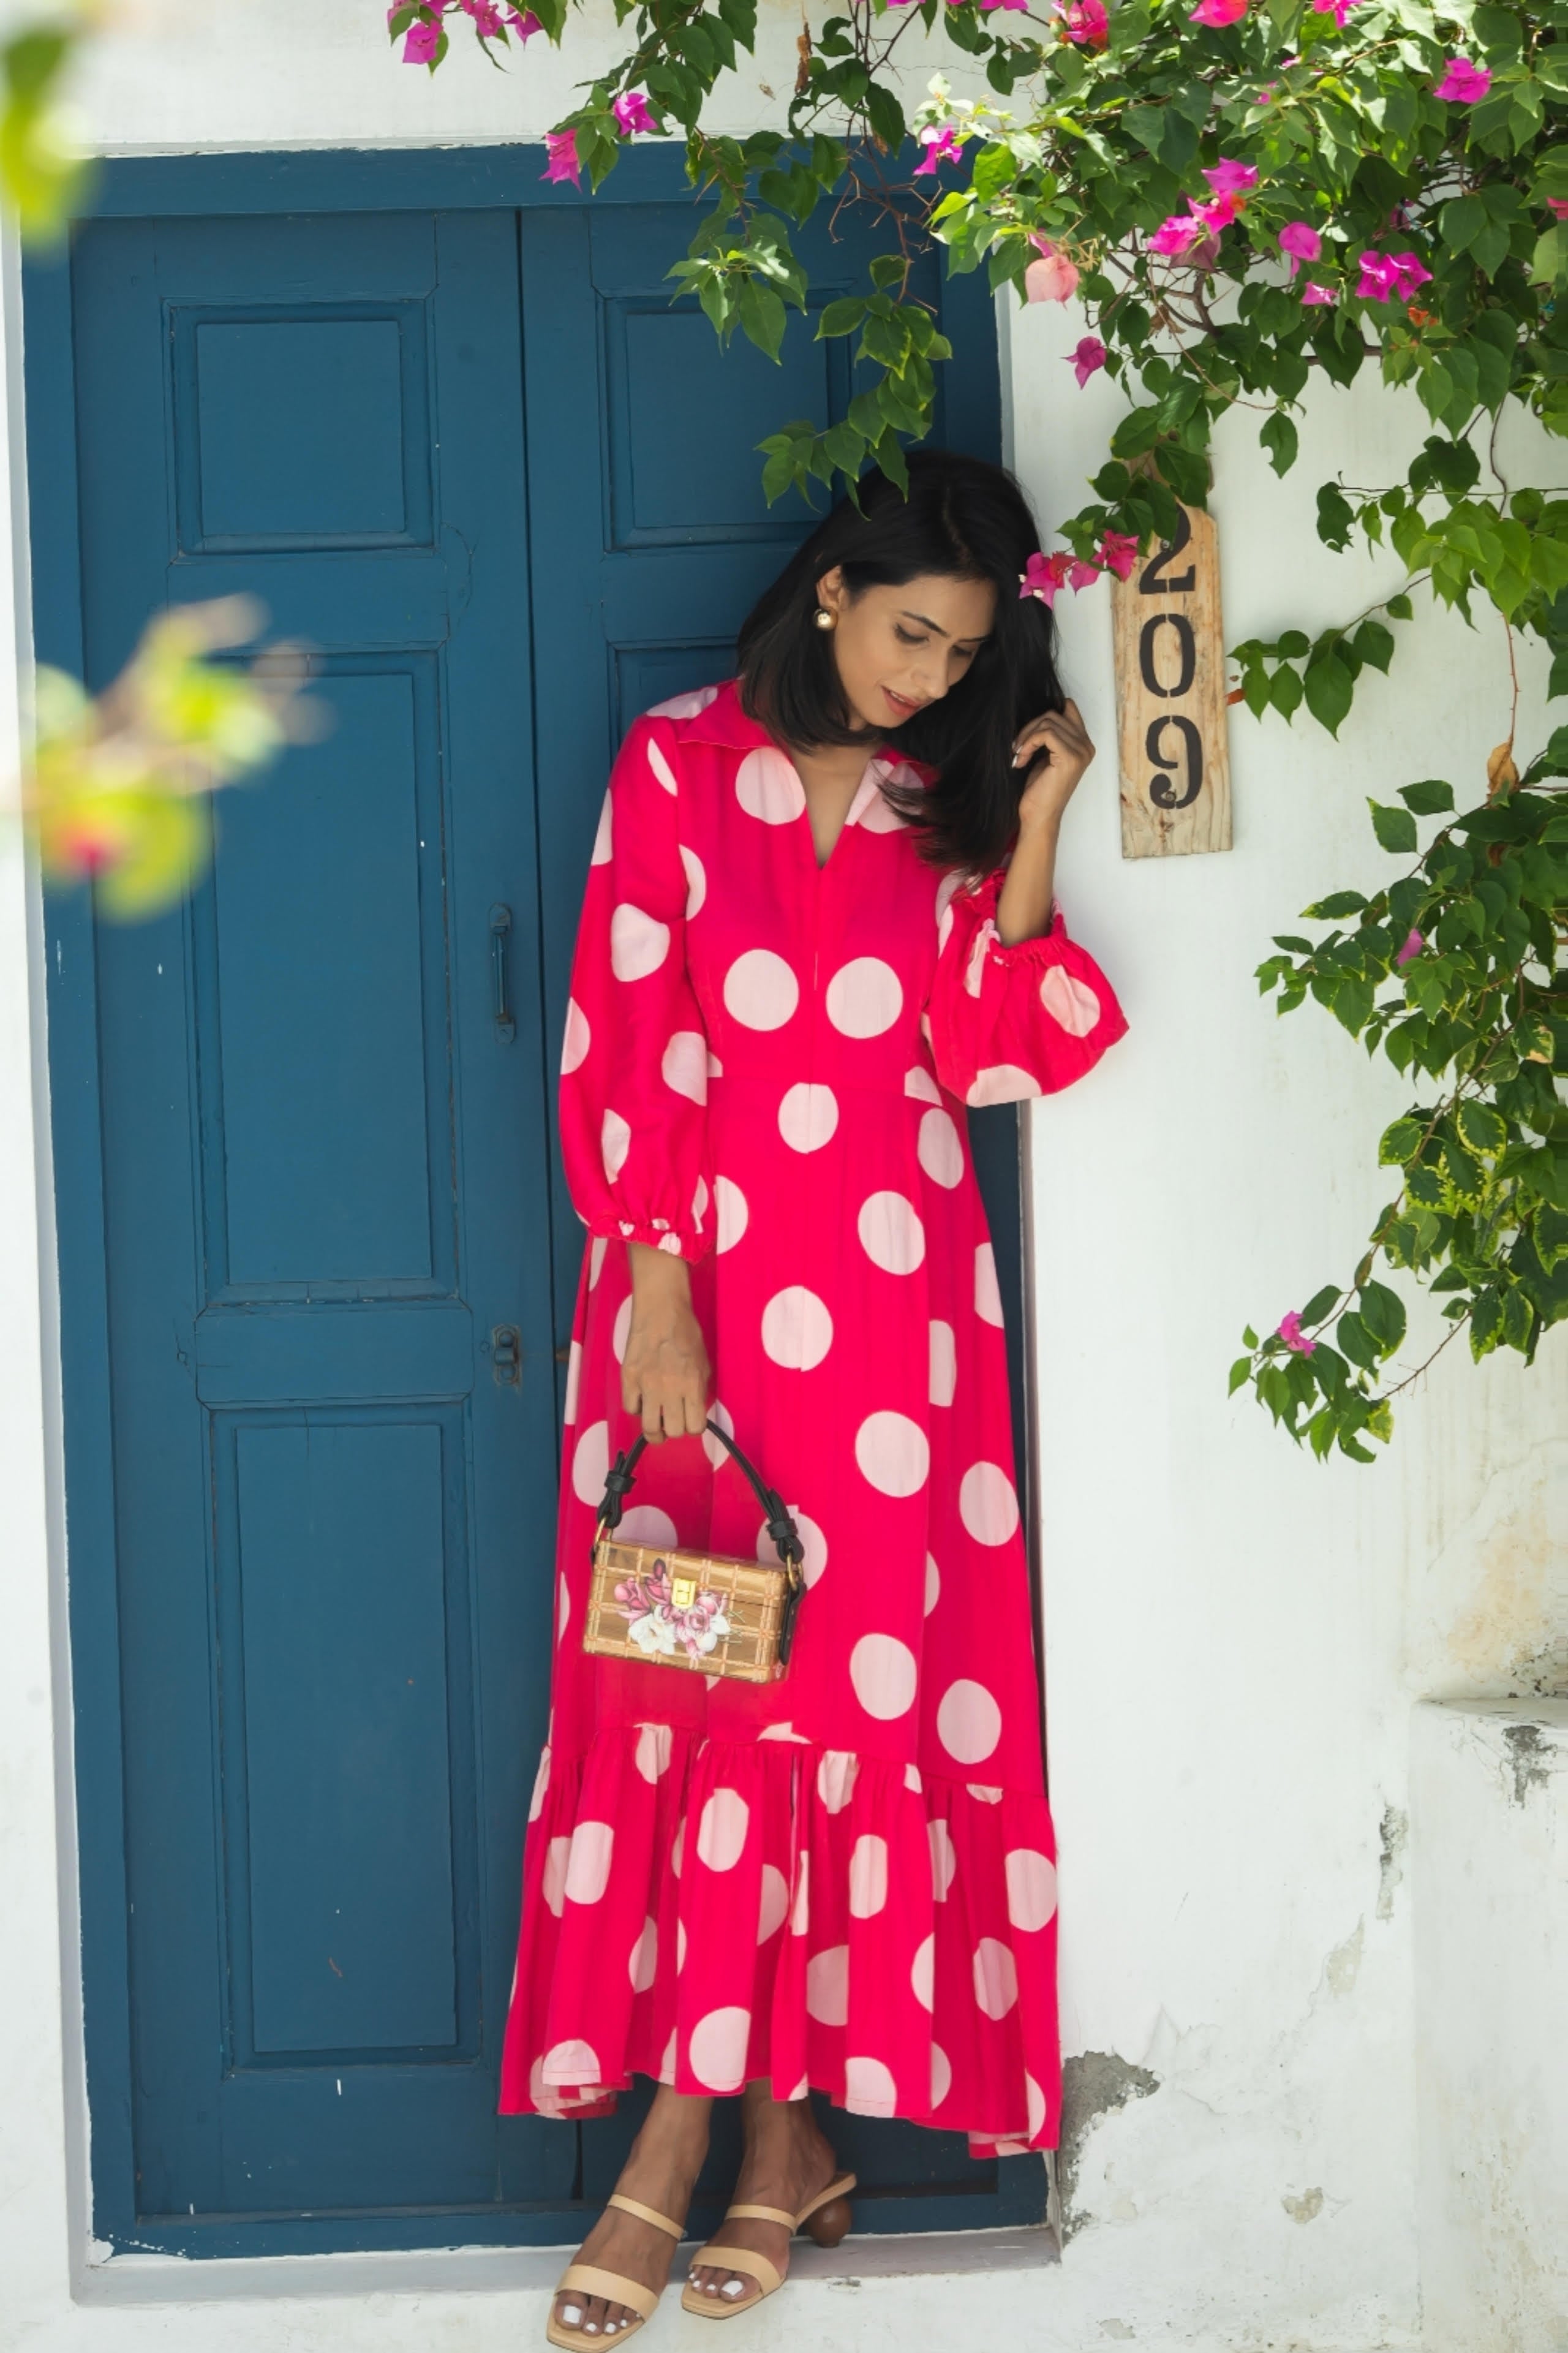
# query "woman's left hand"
(1062, 737)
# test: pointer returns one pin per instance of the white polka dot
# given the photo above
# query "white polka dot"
(615, 1142)
(1070, 1002)
(679, 1946)
(943, 1858)
(700, 1200)
(716, 2052)
(933, 1583)
(836, 1774)
(941, 1153)
(943, 1362)
(891, 1231)
(579, 1037)
(941, 2075)
(730, 1208)
(797, 1329)
(653, 1750)
(1002, 1083)
(995, 1978)
(696, 880)
(718, 1453)
(715, 1067)
(541, 1784)
(590, 1461)
(572, 2063)
(761, 990)
(867, 1876)
(685, 1065)
(603, 841)
(773, 1907)
(638, 943)
(912, 1778)
(596, 1250)
(827, 1986)
(553, 1885)
(684, 706)
(812, 1543)
(667, 2064)
(920, 1084)
(883, 1671)
(620, 1330)
(782, 1732)
(800, 1910)
(974, 970)
(661, 768)
(988, 1503)
(1031, 1888)
(563, 1610)
(642, 1965)
(678, 1847)
(922, 1973)
(893, 1454)
(868, 2088)
(968, 1721)
(767, 786)
(1036, 2100)
(987, 1290)
(983, 1794)
(721, 1831)
(645, 1524)
(864, 997)
(588, 1864)
(807, 1116)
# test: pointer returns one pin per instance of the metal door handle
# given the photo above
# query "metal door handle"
(501, 933)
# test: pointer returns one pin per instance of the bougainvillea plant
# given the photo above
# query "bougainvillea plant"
(1248, 197)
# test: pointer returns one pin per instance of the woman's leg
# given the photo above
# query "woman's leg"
(666, 2158)
(787, 2162)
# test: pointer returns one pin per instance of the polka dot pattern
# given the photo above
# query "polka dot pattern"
(883, 1671)
(696, 880)
(638, 943)
(615, 1142)
(588, 1862)
(808, 1115)
(721, 1829)
(761, 990)
(943, 1362)
(987, 1290)
(797, 1329)
(893, 1454)
(867, 1876)
(869, 2089)
(988, 1503)
(891, 1231)
(827, 1986)
(995, 1976)
(864, 997)
(579, 1037)
(940, 1150)
(1031, 1891)
(718, 2052)
(733, 1215)
(1070, 1002)
(767, 786)
(684, 1066)
(968, 1721)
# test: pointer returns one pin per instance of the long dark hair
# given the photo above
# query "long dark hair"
(962, 519)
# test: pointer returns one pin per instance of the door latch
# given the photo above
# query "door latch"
(505, 1355)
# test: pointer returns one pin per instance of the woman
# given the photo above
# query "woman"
(820, 919)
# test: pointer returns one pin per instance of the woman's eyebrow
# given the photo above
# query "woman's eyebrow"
(927, 623)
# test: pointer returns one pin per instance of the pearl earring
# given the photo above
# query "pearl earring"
(824, 619)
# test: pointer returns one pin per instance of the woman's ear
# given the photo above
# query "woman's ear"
(831, 592)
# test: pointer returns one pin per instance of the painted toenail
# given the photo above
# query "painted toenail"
(572, 2314)
(732, 2288)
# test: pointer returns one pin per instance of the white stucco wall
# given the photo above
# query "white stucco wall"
(1236, 1636)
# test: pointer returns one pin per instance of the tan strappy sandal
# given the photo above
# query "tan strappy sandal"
(588, 2279)
(827, 2217)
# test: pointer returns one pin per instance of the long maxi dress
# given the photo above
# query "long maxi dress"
(845, 1879)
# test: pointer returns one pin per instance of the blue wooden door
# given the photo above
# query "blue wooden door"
(507, 507)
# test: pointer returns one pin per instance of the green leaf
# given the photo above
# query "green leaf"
(1320, 1305)
(1356, 1340)
(1337, 903)
(1483, 1129)
(1396, 828)
(1336, 518)
(841, 318)
(1329, 688)
(1373, 644)
(1279, 438)
(1428, 798)
(1240, 1373)
(1383, 1313)
(1284, 690)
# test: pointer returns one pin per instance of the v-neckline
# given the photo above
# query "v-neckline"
(820, 865)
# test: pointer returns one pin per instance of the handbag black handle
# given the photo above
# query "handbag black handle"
(780, 1526)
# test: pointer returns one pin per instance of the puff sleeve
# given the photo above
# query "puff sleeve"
(1009, 1022)
(633, 1062)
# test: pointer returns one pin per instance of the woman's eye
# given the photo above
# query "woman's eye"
(907, 637)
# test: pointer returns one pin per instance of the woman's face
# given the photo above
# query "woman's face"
(899, 649)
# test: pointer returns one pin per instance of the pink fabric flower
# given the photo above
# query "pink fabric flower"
(1087, 356)
(631, 112)
(561, 149)
(1229, 178)
(1464, 83)
(1412, 947)
(1052, 279)
(1290, 1332)
(942, 144)
(1300, 242)
(1338, 9)
(1218, 12)
(1312, 293)
(1117, 552)
(1086, 23)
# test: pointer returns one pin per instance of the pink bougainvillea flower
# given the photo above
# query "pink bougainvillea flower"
(1390, 277)
(561, 148)
(1409, 271)
(1229, 178)
(1042, 576)
(942, 146)
(1290, 1332)
(1464, 82)
(1221, 211)
(1412, 947)
(631, 112)
(1052, 279)
(989, 5)
(1338, 9)
(1086, 23)
(490, 18)
(422, 38)
(1218, 12)
(1118, 552)
(526, 26)
(1087, 355)
(1179, 233)
(1312, 292)
(1299, 240)
(1558, 205)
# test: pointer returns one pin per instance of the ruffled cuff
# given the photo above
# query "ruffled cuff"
(658, 1232)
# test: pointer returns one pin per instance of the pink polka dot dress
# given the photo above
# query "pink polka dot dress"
(845, 1879)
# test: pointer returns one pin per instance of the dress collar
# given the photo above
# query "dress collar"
(724, 721)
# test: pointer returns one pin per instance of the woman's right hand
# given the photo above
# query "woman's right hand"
(665, 1373)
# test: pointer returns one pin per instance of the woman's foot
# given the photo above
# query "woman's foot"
(666, 2158)
(787, 2162)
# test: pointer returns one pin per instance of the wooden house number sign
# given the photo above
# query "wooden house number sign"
(1170, 695)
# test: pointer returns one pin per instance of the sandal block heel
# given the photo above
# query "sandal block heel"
(830, 2222)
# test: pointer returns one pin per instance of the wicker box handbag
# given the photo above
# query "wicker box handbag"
(694, 1610)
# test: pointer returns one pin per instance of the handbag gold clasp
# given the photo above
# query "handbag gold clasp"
(682, 1592)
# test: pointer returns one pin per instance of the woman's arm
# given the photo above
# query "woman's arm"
(1023, 909)
(665, 1373)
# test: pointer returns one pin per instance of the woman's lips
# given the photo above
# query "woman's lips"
(902, 703)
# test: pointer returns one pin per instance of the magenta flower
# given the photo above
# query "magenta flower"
(1218, 12)
(1558, 205)
(1315, 293)
(1301, 242)
(1229, 178)
(1290, 1332)
(1338, 9)
(1086, 23)
(421, 41)
(631, 112)
(1052, 279)
(526, 26)
(1464, 83)
(1087, 356)
(1412, 947)
(989, 5)
(1390, 277)
(488, 22)
(1117, 552)
(1179, 233)
(561, 149)
(1045, 575)
(942, 144)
